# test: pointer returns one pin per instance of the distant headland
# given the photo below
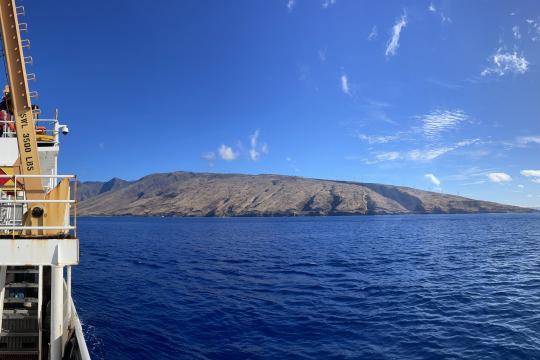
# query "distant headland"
(208, 194)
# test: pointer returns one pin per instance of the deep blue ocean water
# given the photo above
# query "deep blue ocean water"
(373, 287)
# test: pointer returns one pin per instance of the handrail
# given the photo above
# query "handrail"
(15, 201)
(16, 226)
(38, 176)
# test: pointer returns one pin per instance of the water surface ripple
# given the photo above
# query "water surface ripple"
(373, 287)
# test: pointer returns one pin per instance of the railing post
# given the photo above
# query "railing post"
(57, 310)
(68, 275)
(3, 272)
(39, 312)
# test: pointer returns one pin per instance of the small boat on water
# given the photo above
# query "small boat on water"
(38, 223)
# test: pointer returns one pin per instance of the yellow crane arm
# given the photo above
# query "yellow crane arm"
(20, 98)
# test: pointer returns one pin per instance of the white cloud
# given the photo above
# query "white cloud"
(536, 181)
(505, 62)
(524, 140)
(422, 155)
(345, 85)
(373, 34)
(428, 154)
(499, 177)
(253, 138)
(328, 3)
(254, 153)
(439, 121)
(529, 173)
(292, 164)
(433, 179)
(534, 29)
(515, 31)
(378, 139)
(445, 19)
(388, 156)
(393, 42)
(322, 55)
(290, 5)
(521, 186)
(227, 153)
(208, 156)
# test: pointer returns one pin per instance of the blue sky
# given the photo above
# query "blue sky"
(438, 95)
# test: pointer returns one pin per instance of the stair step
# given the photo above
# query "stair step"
(20, 301)
(7, 333)
(22, 271)
(17, 354)
(22, 285)
(18, 316)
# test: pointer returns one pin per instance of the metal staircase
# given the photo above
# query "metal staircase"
(20, 330)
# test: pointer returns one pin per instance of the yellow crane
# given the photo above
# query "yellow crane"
(37, 214)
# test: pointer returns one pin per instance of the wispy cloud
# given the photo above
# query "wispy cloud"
(515, 32)
(393, 42)
(253, 153)
(290, 5)
(388, 156)
(254, 150)
(328, 3)
(502, 63)
(227, 153)
(292, 164)
(433, 179)
(345, 84)
(534, 29)
(499, 177)
(208, 156)
(322, 55)
(373, 34)
(421, 155)
(524, 140)
(432, 126)
(371, 139)
(444, 19)
(439, 121)
(534, 174)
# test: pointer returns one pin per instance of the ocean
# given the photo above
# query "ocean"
(367, 287)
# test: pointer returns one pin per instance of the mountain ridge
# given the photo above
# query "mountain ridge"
(214, 194)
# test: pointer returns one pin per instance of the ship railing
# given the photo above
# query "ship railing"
(54, 132)
(16, 226)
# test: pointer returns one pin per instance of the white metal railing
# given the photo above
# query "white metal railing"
(54, 132)
(15, 226)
